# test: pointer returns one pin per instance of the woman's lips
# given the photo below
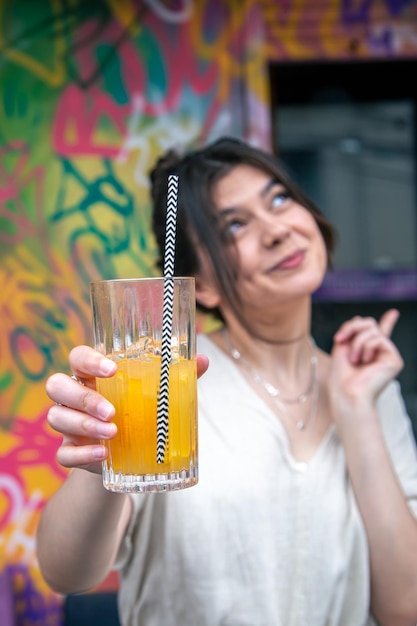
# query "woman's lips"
(294, 260)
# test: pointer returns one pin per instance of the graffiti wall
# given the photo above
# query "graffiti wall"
(91, 93)
(342, 30)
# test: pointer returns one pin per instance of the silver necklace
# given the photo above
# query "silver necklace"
(274, 392)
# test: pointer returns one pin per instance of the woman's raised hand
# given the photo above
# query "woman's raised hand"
(364, 359)
(80, 413)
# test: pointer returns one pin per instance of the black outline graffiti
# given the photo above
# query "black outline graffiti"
(64, 22)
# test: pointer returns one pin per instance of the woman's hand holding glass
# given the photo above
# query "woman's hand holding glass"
(80, 413)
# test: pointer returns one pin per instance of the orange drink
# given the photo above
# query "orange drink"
(133, 392)
(154, 390)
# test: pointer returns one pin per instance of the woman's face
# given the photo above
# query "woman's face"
(281, 252)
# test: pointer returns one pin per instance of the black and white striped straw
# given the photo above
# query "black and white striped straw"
(168, 305)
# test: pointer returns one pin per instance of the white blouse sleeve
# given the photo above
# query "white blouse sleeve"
(400, 441)
(126, 545)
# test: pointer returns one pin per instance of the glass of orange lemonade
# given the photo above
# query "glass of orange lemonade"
(128, 321)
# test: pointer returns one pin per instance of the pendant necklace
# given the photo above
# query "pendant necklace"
(275, 392)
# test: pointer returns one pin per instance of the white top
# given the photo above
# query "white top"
(261, 540)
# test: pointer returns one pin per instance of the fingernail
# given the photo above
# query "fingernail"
(99, 452)
(105, 429)
(105, 409)
(107, 366)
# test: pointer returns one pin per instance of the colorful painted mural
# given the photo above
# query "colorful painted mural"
(91, 92)
(341, 30)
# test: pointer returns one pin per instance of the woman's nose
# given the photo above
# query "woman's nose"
(273, 231)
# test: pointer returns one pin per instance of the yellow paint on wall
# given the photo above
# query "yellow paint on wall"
(8, 441)
(40, 478)
(127, 14)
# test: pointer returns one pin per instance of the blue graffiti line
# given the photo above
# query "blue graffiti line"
(45, 351)
(112, 76)
(106, 192)
(384, 41)
(396, 7)
(354, 13)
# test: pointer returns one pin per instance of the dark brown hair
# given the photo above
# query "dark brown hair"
(197, 218)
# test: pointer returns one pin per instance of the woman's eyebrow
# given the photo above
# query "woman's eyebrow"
(271, 183)
(225, 211)
(274, 182)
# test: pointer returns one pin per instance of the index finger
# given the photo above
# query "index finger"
(85, 363)
(388, 321)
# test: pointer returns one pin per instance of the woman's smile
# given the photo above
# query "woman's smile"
(291, 261)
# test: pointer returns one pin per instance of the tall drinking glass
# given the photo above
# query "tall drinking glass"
(152, 451)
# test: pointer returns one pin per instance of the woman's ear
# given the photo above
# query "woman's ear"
(206, 293)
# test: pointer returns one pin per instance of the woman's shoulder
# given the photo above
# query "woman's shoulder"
(208, 344)
(221, 369)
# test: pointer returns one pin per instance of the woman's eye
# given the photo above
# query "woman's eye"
(279, 199)
(233, 226)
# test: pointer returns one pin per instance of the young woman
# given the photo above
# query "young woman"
(305, 512)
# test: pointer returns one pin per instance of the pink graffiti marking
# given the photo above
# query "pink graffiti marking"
(77, 120)
(80, 112)
(36, 446)
(183, 64)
